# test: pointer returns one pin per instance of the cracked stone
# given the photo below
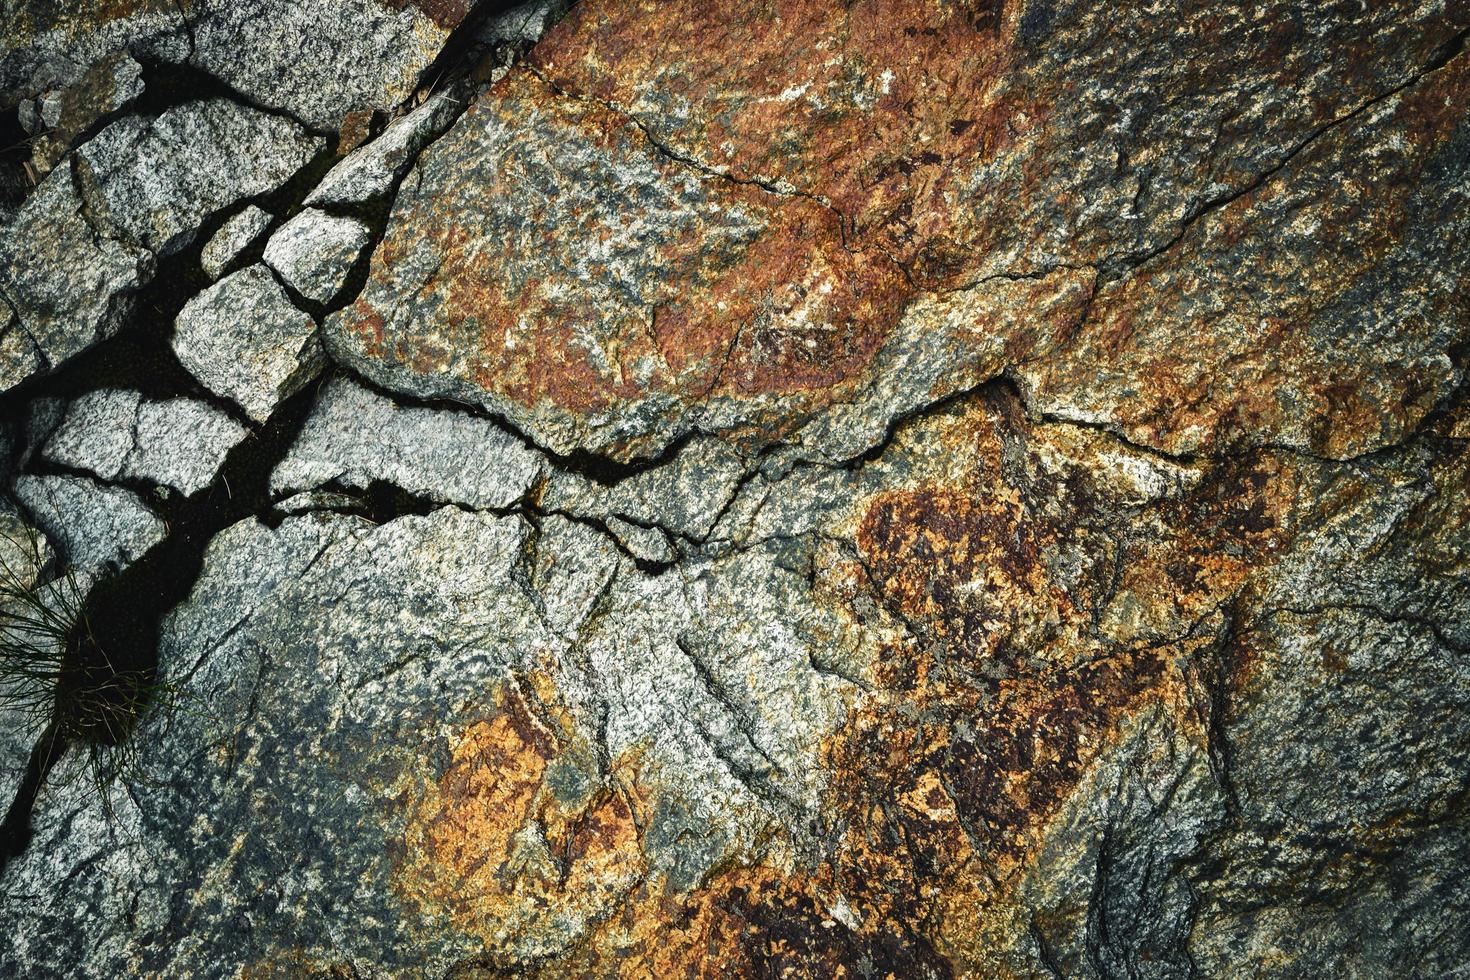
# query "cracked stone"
(355, 437)
(371, 171)
(316, 60)
(319, 59)
(314, 252)
(684, 496)
(66, 114)
(245, 341)
(526, 23)
(547, 262)
(113, 433)
(921, 490)
(67, 285)
(238, 233)
(154, 181)
(50, 44)
(96, 527)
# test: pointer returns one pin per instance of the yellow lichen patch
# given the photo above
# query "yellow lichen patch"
(520, 841)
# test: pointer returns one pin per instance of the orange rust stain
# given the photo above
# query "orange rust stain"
(489, 846)
(872, 110)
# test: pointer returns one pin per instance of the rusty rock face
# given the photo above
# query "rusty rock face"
(747, 219)
(935, 489)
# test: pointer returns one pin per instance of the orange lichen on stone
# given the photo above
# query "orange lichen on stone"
(514, 842)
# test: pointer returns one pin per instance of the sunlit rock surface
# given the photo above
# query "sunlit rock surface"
(879, 489)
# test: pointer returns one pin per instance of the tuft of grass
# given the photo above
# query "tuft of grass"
(36, 620)
(55, 668)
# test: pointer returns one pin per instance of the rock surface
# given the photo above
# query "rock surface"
(90, 236)
(115, 434)
(355, 438)
(313, 253)
(66, 283)
(880, 489)
(154, 181)
(96, 527)
(315, 60)
(245, 341)
(238, 233)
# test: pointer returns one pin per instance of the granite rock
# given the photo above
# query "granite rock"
(66, 281)
(62, 116)
(319, 59)
(880, 489)
(245, 341)
(355, 437)
(372, 171)
(96, 527)
(114, 434)
(239, 232)
(316, 61)
(155, 181)
(314, 253)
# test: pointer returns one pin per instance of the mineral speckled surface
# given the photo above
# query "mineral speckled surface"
(634, 489)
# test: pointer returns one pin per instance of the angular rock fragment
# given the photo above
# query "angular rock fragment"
(96, 433)
(237, 234)
(245, 341)
(319, 59)
(66, 114)
(95, 527)
(154, 181)
(314, 252)
(86, 241)
(50, 44)
(684, 497)
(371, 171)
(182, 442)
(355, 437)
(113, 433)
(67, 281)
(316, 60)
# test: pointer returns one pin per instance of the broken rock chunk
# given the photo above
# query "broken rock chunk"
(96, 527)
(245, 341)
(154, 181)
(355, 437)
(178, 442)
(67, 281)
(234, 236)
(314, 252)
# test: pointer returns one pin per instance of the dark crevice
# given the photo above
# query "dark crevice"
(15, 156)
(602, 470)
(15, 831)
(167, 84)
(464, 49)
(382, 501)
(140, 355)
(113, 661)
(146, 490)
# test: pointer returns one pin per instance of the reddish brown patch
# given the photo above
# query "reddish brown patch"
(861, 111)
(447, 14)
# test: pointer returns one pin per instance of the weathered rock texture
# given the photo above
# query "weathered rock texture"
(875, 489)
